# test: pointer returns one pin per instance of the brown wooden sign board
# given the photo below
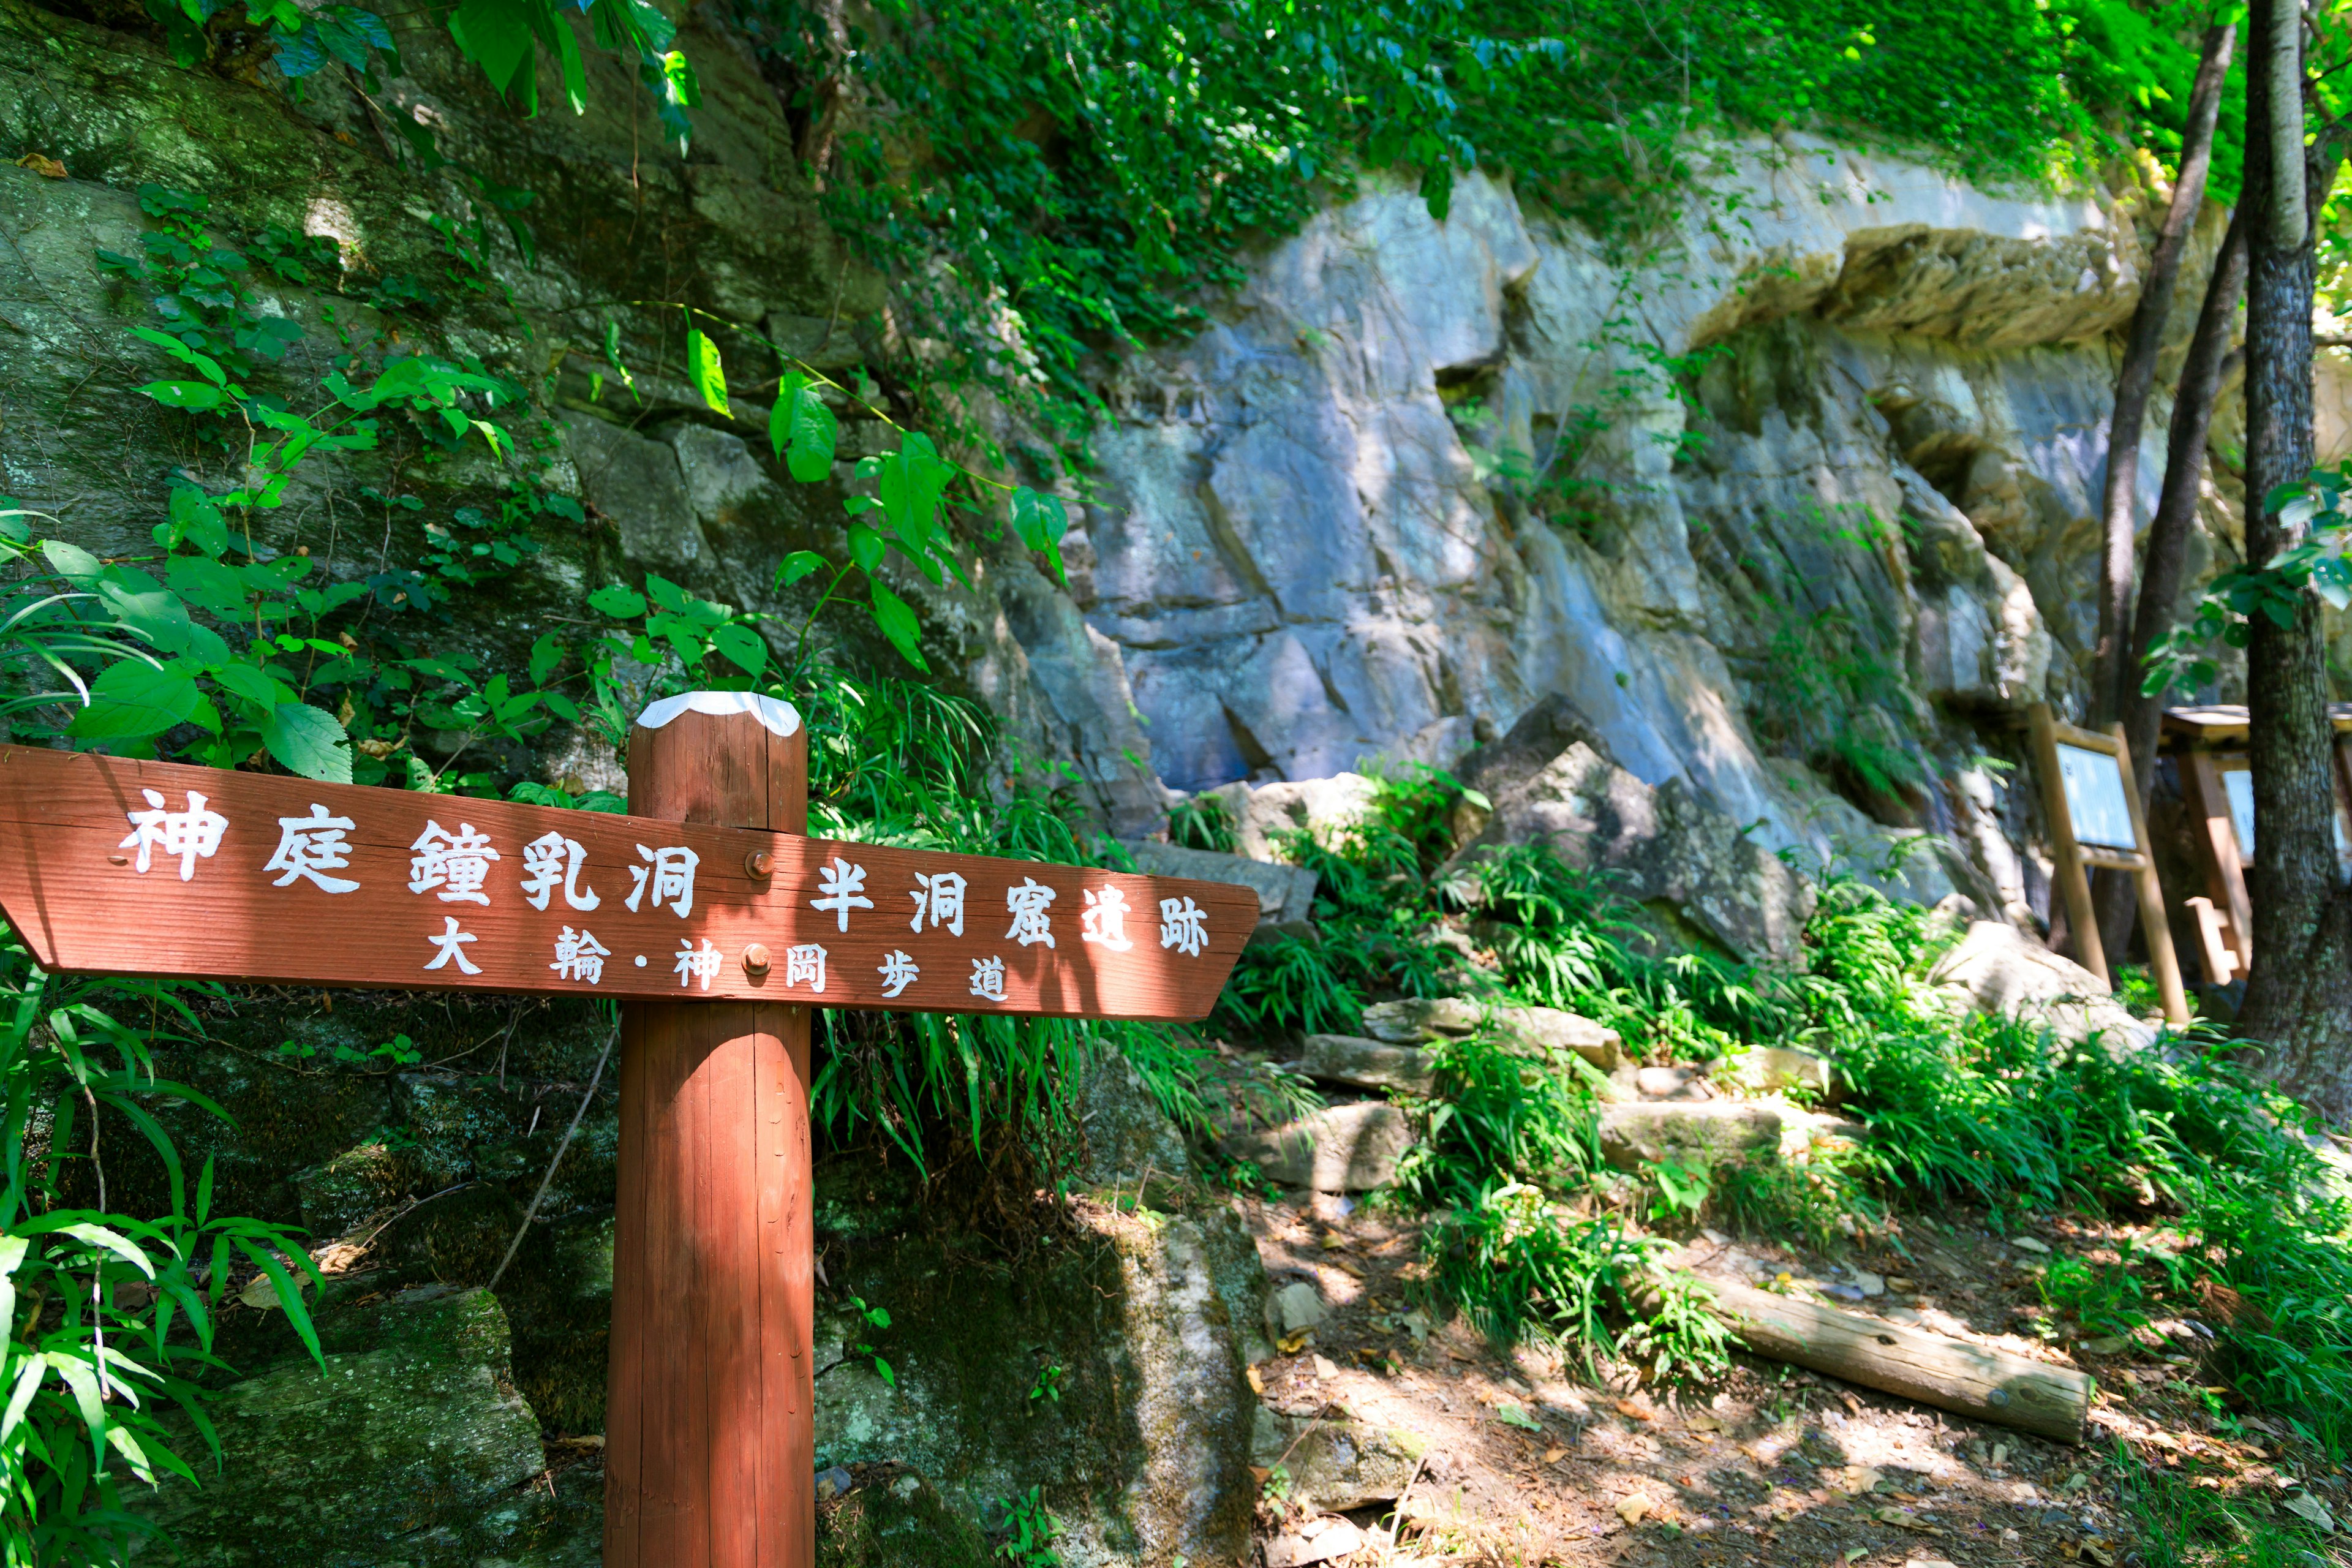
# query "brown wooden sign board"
(138, 868)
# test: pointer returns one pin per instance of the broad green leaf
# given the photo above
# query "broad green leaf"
(797, 566)
(709, 376)
(131, 700)
(741, 645)
(194, 396)
(83, 1383)
(667, 593)
(251, 684)
(898, 624)
(802, 430)
(545, 655)
(866, 547)
(112, 1241)
(308, 742)
(71, 561)
(1040, 521)
(621, 603)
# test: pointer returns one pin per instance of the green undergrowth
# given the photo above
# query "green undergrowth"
(2237, 1214)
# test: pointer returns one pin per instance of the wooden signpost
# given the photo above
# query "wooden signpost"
(2092, 811)
(718, 924)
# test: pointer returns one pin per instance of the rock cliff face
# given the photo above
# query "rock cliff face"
(1801, 494)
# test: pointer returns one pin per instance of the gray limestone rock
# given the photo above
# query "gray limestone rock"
(1336, 1465)
(1340, 1149)
(1126, 1133)
(1998, 970)
(1293, 1307)
(1768, 1069)
(411, 1447)
(1366, 1064)
(1672, 849)
(1286, 893)
(1718, 1132)
(1417, 1019)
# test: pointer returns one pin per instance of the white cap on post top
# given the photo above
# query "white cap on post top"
(780, 718)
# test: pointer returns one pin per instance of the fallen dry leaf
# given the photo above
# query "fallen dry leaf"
(1291, 1345)
(1701, 1421)
(1257, 1384)
(1902, 1521)
(1553, 1455)
(1632, 1410)
(1631, 1509)
(46, 167)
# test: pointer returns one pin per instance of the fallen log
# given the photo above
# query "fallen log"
(1935, 1368)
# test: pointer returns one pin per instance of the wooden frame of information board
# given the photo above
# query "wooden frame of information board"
(2208, 744)
(2082, 773)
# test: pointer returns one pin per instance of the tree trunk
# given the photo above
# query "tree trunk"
(2113, 671)
(2299, 998)
(2166, 558)
(2111, 680)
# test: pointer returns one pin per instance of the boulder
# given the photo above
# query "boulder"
(1154, 1319)
(410, 1448)
(1340, 1149)
(1553, 781)
(1286, 894)
(1557, 1031)
(1718, 1131)
(1128, 1136)
(1997, 970)
(1325, 807)
(1336, 1465)
(1366, 1064)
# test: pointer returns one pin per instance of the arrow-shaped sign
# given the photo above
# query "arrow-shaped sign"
(138, 868)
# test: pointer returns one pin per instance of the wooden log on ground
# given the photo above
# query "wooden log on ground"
(1966, 1379)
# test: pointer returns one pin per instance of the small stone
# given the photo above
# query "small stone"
(832, 1483)
(1769, 1070)
(2027, 1244)
(2108, 1344)
(1871, 1284)
(1294, 1308)
(1324, 1370)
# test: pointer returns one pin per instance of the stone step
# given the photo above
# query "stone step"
(1366, 1064)
(1340, 1149)
(1419, 1020)
(1717, 1131)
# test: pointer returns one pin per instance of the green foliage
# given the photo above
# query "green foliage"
(1047, 1389)
(872, 1318)
(109, 1317)
(1091, 172)
(1202, 823)
(2314, 566)
(1029, 1530)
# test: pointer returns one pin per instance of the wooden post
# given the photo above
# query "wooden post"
(2155, 927)
(709, 1448)
(2081, 920)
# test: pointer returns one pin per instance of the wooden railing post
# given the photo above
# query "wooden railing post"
(710, 1430)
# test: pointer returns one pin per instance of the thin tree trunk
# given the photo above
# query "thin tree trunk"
(2299, 998)
(2112, 669)
(2166, 557)
(2136, 380)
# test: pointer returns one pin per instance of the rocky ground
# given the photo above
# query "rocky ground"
(1519, 1458)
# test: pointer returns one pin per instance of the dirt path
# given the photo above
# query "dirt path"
(1525, 1461)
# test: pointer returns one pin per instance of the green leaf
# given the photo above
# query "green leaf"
(1040, 521)
(866, 547)
(667, 593)
(307, 741)
(204, 365)
(710, 377)
(194, 396)
(802, 430)
(743, 645)
(251, 684)
(133, 700)
(797, 566)
(898, 624)
(621, 603)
